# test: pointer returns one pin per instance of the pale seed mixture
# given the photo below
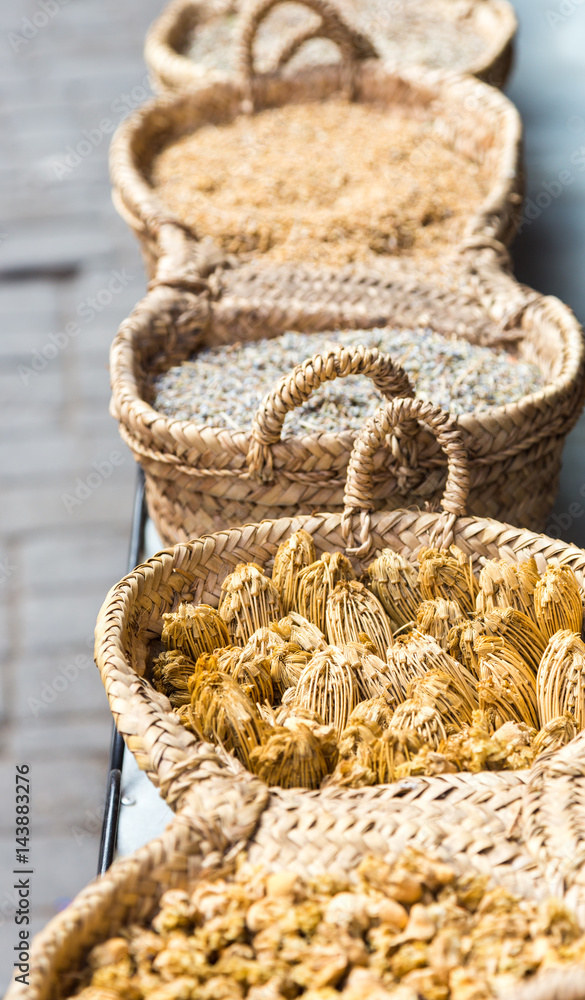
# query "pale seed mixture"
(331, 182)
(223, 386)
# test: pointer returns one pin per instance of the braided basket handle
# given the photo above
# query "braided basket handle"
(359, 485)
(354, 45)
(297, 387)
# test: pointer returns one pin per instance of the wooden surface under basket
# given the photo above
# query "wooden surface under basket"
(168, 41)
(198, 478)
(470, 118)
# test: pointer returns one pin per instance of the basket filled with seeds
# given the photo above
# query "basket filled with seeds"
(190, 916)
(333, 165)
(193, 43)
(364, 682)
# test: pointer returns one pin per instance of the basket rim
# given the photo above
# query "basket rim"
(170, 34)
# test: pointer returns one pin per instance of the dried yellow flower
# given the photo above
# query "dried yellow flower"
(416, 654)
(557, 601)
(249, 601)
(291, 557)
(394, 582)
(328, 685)
(315, 583)
(437, 618)
(352, 610)
(295, 628)
(560, 683)
(291, 758)
(516, 628)
(448, 575)
(286, 666)
(507, 690)
(373, 675)
(194, 630)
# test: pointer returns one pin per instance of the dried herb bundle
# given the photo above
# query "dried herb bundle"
(315, 583)
(507, 691)
(194, 630)
(170, 674)
(250, 671)
(373, 675)
(560, 683)
(455, 701)
(394, 582)
(291, 557)
(418, 653)
(249, 600)
(291, 758)
(437, 618)
(502, 585)
(393, 750)
(556, 733)
(328, 685)
(557, 601)
(222, 713)
(419, 717)
(295, 628)
(351, 611)
(374, 711)
(286, 666)
(519, 631)
(448, 575)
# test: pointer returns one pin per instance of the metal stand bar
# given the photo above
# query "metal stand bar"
(112, 809)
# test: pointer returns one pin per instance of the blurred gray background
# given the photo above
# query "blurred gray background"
(69, 273)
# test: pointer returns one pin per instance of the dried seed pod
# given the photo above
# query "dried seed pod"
(352, 610)
(456, 701)
(394, 582)
(170, 674)
(374, 676)
(507, 690)
(249, 601)
(286, 666)
(557, 601)
(315, 583)
(394, 748)
(423, 719)
(194, 630)
(377, 711)
(291, 758)
(556, 733)
(328, 685)
(291, 557)
(448, 575)
(560, 682)
(437, 618)
(222, 713)
(250, 671)
(504, 585)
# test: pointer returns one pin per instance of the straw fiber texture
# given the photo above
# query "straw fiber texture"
(200, 478)
(471, 118)
(170, 37)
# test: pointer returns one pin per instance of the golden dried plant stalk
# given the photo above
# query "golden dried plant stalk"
(456, 702)
(393, 579)
(328, 685)
(170, 674)
(315, 583)
(560, 682)
(291, 557)
(222, 713)
(507, 688)
(416, 654)
(557, 601)
(393, 749)
(461, 643)
(352, 610)
(291, 758)
(249, 601)
(249, 670)
(437, 618)
(556, 733)
(286, 666)
(519, 631)
(194, 630)
(421, 718)
(506, 585)
(447, 574)
(374, 711)
(373, 674)
(295, 628)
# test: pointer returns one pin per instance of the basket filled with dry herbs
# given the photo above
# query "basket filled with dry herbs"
(193, 43)
(333, 165)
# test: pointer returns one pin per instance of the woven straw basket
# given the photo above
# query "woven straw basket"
(200, 478)
(470, 117)
(171, 36)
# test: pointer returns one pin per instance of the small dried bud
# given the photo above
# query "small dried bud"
(505, 585)
(291, 758)
(506, 689)
(437, 618)
(222, 713)
(422, 719)
(328, 685)
(170, 674)
(250, 671)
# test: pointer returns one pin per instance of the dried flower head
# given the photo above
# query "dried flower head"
(393, 579)
(352, 610)
(328, 685)
(421, 718)
(416, 654)
(291, 557)
(374, 711)
(557, 601)
(295, 628)
(505, 585)
(315, 583)
(448, 575)
(519, 631)
(170, 674)
(249, 600)
(194, 630)
(222, 713)
(286, 666)
(437, 618)
(556, 733)
(249, 670)
(291, 758)
(560, 682)
(373, 675)
(507, 690)
(455, 700)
